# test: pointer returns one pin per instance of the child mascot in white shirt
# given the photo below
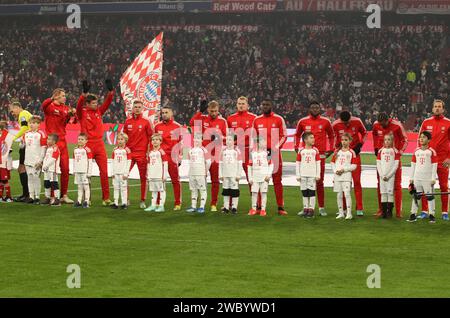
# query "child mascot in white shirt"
(199, 164)
(388, 161)
(343, 163)
(35, 146)
(82, 170)
(260, 169)
(121, 163)
(230, 166)
(307, 169)
(423, 176)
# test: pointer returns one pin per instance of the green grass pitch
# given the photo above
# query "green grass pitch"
(175, 254)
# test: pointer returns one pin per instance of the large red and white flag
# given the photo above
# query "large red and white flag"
(142, 79)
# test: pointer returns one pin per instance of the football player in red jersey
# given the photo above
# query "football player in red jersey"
(353, 126)
(89, 114)
(324, 141)
(382, 127)
(56, 117)
(272, 128)
(439, 127)
(240, 123)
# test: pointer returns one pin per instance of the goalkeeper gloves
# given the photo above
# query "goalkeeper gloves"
(86, 87)
(203, 106)
(109, 85)
(412, 189)
(357, 148)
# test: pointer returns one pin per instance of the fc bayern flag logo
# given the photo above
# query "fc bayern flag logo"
(149, 90)
(142, 79)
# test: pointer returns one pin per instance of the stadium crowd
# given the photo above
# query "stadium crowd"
(345, 67)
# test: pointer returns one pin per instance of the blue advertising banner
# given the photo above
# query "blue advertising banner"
(109, 7)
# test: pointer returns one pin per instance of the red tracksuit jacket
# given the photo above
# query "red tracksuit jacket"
(56, 118)
(243, 120)
(265, 123)
(91, 120)
(394, 127)
(219, 125)
(355, 128)
(321, 129)
(439, 127)
(169, 139)
(139, 133)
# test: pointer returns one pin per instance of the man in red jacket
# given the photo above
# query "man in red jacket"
(353, 126)
(240, 123)
(214, 129)
(384, 126)
(273, 128)
(90, 118)
(323, 132)
(171, 134)
(139, 131)
(56, 117)
(439, 127)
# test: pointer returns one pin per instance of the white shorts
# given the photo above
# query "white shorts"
(342, 186)
(156, 185)
(423, 186)
(118, 181)
(80, 178)
(230, 183)
(32, 170)
(50, 176)
(260, 187)
(197, 183)
(387, 187)
(308, 183)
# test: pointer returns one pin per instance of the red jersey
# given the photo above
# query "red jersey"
(243, 120)
(171, 134)
(321, 129)
(91, 119)
(439, 127)
(139, 133)
(268, 124)
(56, 118)
(217, 125)
(354, 127)
(6, 140)
(394, 127)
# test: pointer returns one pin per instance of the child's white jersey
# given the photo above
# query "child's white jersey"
(261, 166)
(308, 163)
(35, 144)
(424, 164)
(346, 160)
(387, 161)
(230, 163)
(51, 159)
(155, 166)
(82, 160)
(121, 161)
(198, 158)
